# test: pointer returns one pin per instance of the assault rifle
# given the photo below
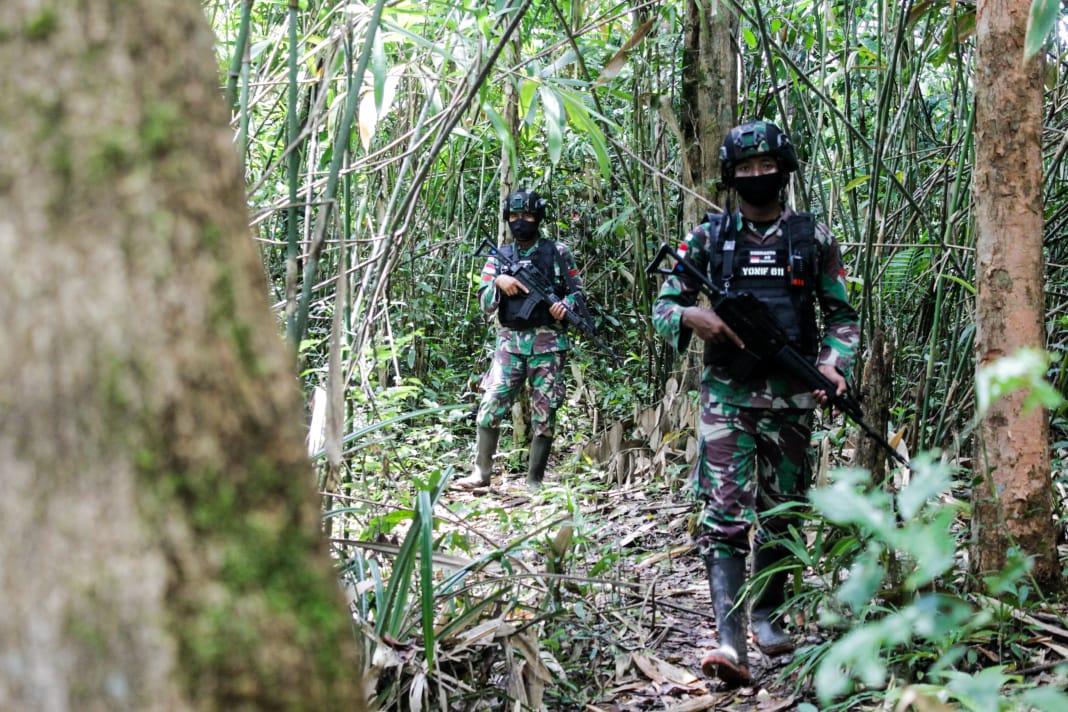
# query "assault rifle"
(765, 339)
(540, 289)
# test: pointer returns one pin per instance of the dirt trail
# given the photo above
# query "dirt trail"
(635, 646)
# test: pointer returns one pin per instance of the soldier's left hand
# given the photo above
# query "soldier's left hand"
(558, 310)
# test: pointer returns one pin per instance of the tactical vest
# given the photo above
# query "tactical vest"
(544, 257)
(782, 275)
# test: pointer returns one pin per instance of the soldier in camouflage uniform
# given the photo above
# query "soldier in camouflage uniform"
(529, 348)
(756, 422)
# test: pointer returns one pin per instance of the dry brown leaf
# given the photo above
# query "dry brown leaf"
(661, 671)
(913, 699)
(670, 554)
(776, 705)
(697, 704)
(527, 644)
(487, 630)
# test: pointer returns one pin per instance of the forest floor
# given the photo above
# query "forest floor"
(627, 625)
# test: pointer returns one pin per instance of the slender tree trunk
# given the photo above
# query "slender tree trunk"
(709, 99)
(159, 533)
(878, 392)
(1013, 495)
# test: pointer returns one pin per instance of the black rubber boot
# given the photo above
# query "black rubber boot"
(729, 662)
(485, 449)
(540, 448)
(769, 634)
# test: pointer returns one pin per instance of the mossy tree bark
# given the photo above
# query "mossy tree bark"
(159, 533)
(1013, 496)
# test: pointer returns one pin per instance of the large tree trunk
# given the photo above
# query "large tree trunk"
(1013, 499)
(159, 533)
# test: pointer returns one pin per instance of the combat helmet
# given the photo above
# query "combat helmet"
(755, 138)
(525, 201)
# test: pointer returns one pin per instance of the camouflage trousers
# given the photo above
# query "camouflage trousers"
(505, 379)
(750, 460)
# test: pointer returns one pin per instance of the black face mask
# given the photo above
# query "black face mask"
(759, 190)
(523, 230)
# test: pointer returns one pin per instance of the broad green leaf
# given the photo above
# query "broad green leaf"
(981, 691)
(580, 118)
(1044, 699)
(931, 547)
(1024, 370)
(527, 91)
(855, 655)
(844, 503)
(554, 122)
(504, 135)
(865, 578)
(1040, 22)
(929, 480)
(859, 180)
(934, 616)
(379, 70)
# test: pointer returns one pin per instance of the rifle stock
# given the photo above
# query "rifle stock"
(540, 289)
(765, 339)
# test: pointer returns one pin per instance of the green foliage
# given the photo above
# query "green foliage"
(1040, 23)
(42, 23)
(924, 637)
(1024, 370)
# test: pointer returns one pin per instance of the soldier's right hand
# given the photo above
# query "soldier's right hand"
(709, 327)
(510, 285)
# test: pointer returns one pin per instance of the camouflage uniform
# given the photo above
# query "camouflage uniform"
(538, 354)
(754, 433)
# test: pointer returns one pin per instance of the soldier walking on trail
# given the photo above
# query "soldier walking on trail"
(532, 344)
(756, 422)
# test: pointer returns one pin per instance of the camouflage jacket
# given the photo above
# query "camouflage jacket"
(539, 340)
(838, 340)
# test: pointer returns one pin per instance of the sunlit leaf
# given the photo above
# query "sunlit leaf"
(579, 117)
(865, 578)
(1040, 23)
(858, 181)
(981, 691)
(1024, 370)
(504, 134)
(554, 122)
(379, 70)
(929, 479)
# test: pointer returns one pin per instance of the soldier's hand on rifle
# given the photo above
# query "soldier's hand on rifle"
(510, 285)
(709, 327)
(558, 310)
(832, 375)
